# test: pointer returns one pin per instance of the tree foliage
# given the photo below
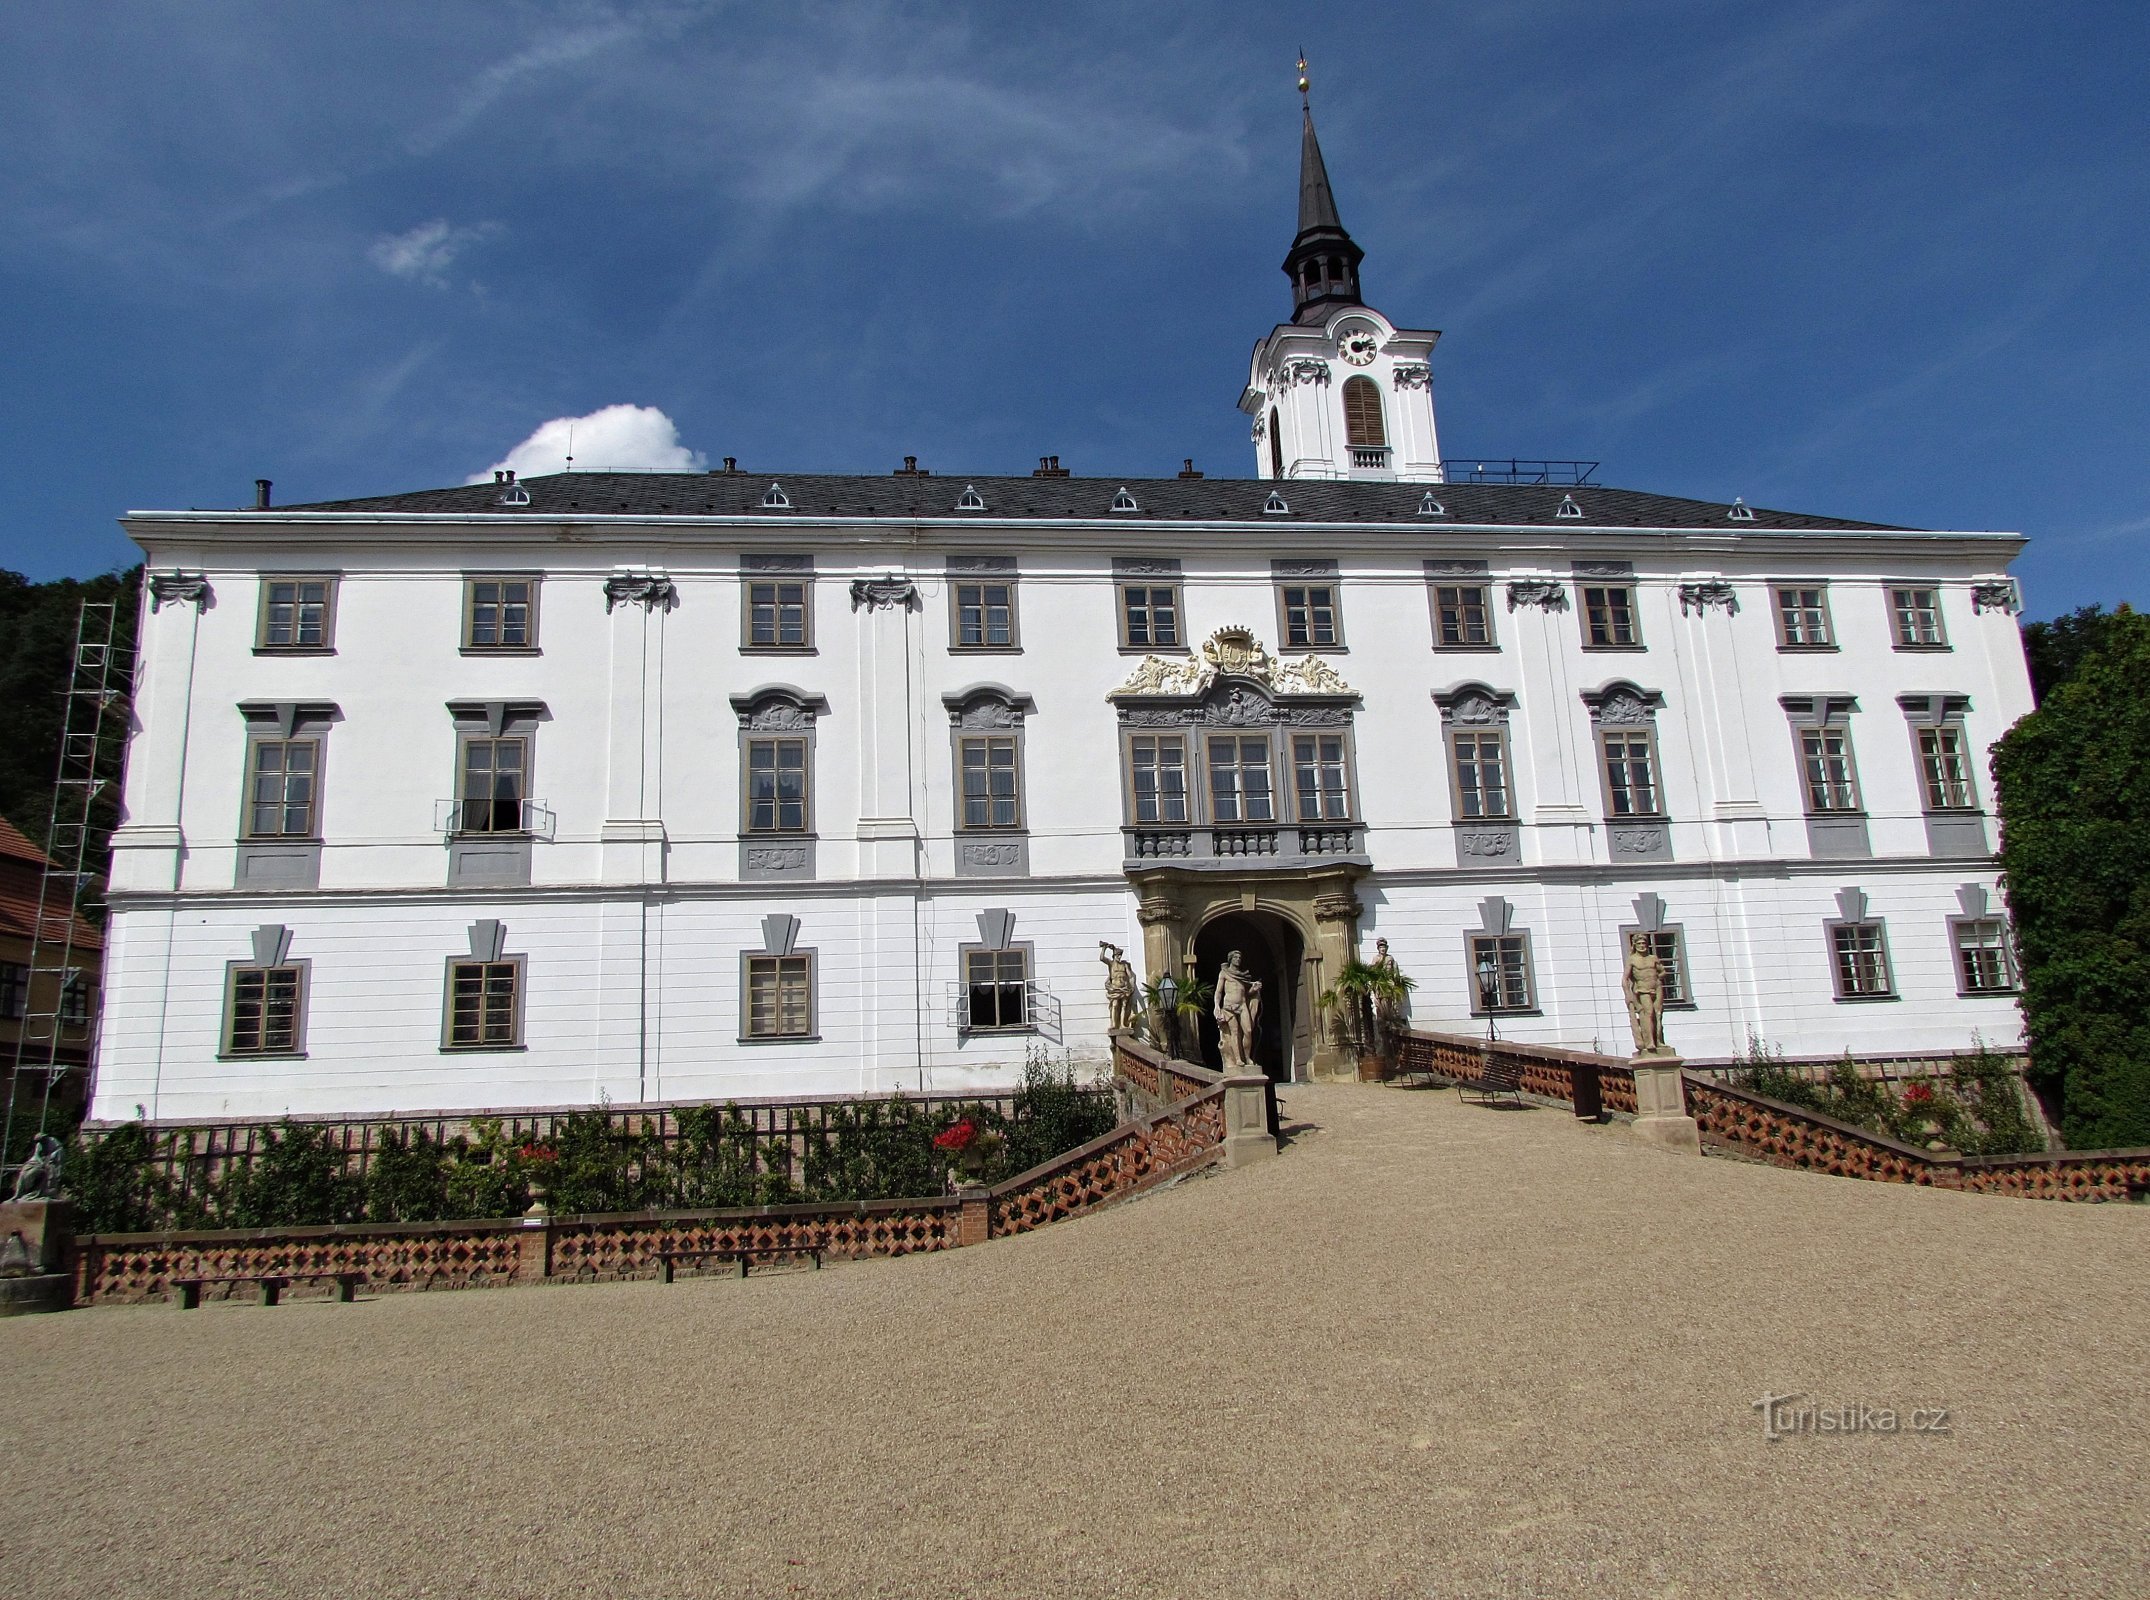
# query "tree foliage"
(2073, 786)
(2055, 650)
(37, 638)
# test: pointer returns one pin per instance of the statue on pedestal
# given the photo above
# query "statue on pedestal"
(1388, 989)
(1238, 1010)
(1644, 981)
(1119, 986)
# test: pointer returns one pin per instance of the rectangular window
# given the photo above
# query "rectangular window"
(1320, 777)
(1984, 962)
(494, 781)
(1150, 616)
(996, 985)
(1239, 788)
(1609, 617)
(280, 794)
(484, 1005)
(499, 614)
(990, 797)
(1918, 619)
(14, 990)
(261, 1011)
(1862, 960)
(1481, 776)
(1803, 619)
(1670, 947)
(1158, 766)
(1947, 777)
(1630, 773)
(776, 615)
(1500, 973)
(1462, 618)
(780, 997)
(776, 786)
(1310, 617)
(75, 1003)
(1825, 759)
(297, 613)
(985, 616)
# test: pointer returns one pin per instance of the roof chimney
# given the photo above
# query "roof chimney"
(911, 469)
(1187, 469)
(731, 463)
(1049, 467)
(262, 486)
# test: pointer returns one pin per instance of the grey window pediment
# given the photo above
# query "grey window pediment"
(1816, 709)
(987, 706)
(499, 717)
(1623, 705)
(778, 706)
(1474, 705)
(289, 717)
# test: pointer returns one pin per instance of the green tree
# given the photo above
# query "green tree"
(2073, 785)
(2055, 650)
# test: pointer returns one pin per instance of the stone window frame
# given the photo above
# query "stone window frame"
(776, 569)
(333, 582)
(529, 646)
(496, 721)
(776, 712)
(1460, 575)
(1367, 391)
(1941, 713)
(811, 955)
(2011, 971)
(1267, 737)
(1824, 711)
(1027, 950)
(1903, 638)
(1149, 573)
(1608, 578)
(302, 967)
(1190, 790)
(1478, 709)
(1619, 710)
(989, 711)
(1308, 574)
(1472, 939)
(969, 570)
(1779, 612)
(285, 723)
(1854, 911)
(1288, 738)
(518, 966)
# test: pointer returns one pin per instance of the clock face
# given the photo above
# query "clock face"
(1358, 347)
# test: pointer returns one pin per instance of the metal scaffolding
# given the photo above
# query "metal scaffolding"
(55, 996)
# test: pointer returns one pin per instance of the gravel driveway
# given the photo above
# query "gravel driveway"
(1432, 1350)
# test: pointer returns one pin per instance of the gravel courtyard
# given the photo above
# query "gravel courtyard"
(1433, 1349)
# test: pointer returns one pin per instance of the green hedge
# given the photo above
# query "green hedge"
(590, 1162)
(1974, 1109)
(2072, 782)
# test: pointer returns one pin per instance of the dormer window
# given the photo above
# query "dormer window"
(776, 499)
(1123, 501)
(970, 499)
(1275, 505)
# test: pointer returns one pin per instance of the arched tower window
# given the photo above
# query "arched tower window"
(1362, 413)
(1276, 445)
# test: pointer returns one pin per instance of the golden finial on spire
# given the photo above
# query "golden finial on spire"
(1302, 77)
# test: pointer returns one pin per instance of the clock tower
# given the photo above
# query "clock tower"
(1339, 391)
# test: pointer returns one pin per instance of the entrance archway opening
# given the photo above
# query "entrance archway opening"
(1271, 949)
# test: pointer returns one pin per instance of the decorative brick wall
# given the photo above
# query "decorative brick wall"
(1545, 1070)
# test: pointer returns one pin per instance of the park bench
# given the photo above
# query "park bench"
(1498, 1075)
(667, 1260)
(272, 1285)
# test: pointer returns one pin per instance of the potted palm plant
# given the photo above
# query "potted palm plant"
(1174, 1013)
(1365, 1004)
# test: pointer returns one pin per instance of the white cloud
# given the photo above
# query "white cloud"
(619, 438)
(424, 254)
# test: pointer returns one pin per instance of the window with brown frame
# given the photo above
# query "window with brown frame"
(1363, 423)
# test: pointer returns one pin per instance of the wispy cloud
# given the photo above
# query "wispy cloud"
(426, 252)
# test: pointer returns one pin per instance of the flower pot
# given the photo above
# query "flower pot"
(1373, 1069)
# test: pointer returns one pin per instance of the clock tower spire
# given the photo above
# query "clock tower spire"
(1339, 391)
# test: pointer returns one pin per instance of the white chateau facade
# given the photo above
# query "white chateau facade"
(677, 786)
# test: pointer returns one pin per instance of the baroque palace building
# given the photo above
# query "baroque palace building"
(672, 786)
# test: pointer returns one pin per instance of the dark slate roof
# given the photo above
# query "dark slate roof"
(704, 494)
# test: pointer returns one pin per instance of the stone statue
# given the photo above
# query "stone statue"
(1237, 1006)
(1388, 996)
(1644, 981)
(40, 1175)
(1119, 986)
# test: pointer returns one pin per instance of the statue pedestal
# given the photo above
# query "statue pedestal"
(1661, 1117)
(1246, 1120)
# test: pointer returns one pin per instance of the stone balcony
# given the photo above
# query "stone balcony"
(1239, 847)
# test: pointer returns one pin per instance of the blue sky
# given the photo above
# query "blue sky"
(1882, 260)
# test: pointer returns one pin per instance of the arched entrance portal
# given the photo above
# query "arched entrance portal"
(1270, 948)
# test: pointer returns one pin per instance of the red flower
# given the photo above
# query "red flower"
(1919, 1094)
(957, 1136)
(538, 1152)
